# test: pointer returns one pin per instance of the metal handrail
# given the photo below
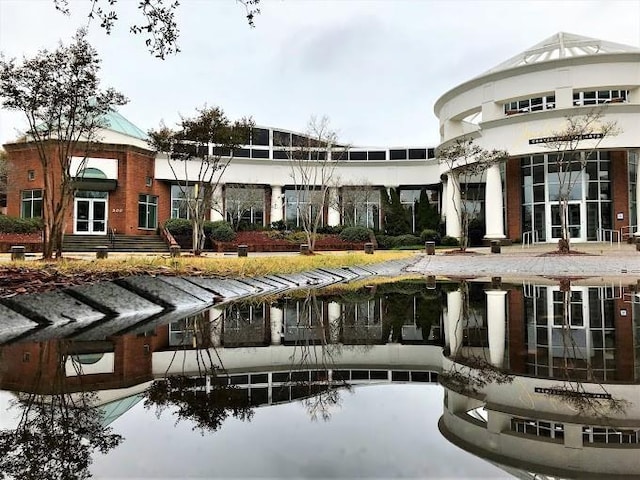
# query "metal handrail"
(111, 235)
(613, 235)
(530, 238)
(628, 231)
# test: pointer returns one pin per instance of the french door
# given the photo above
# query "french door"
(90, 213)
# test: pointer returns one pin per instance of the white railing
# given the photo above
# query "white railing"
(627, 232)
(608, 235)
(530, 238)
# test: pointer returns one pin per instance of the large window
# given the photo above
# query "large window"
(527, 105)
(597, 97)
(619, 436)
(147, 211)
(538, 428)
(244, 205)
(302, 204)
(31, 204)
(361, 206)
(180, 198)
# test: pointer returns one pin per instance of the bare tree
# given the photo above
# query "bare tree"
(573, 146)
(467, 163)
(241, 200)
(199, 152)
(158, 20)
(360, 205)
(59, 93)
(313, 159)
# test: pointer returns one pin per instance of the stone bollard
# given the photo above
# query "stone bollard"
(495, 246)
(174, 251)
(368, 248)
(17, 253)
(431, 282)
(304, 249)
(102, 252)
(430, 248)
(243, 250)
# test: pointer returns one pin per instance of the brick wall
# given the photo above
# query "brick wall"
(620, 188)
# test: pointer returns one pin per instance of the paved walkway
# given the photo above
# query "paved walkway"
(600, 260)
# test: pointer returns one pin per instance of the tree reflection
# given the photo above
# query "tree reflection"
(204, 396)
(58, 430)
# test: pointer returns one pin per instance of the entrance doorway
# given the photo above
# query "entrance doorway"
(90, 213)
(577, 230)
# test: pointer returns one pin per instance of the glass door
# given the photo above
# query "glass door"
(574, 224)
(90, 213)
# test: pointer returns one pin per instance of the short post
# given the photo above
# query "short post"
(431, 282)
(243, 250)
(368, 248)
(638, 244)
(102, 252)
(304, 249)
(430, 248)
(495, 246)
(17, 253)
(174, 251)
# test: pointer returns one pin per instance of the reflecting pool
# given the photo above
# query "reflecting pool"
(409, 378)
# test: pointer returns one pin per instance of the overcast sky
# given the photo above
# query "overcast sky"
(375, 68)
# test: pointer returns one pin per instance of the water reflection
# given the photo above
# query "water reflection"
(538, 377)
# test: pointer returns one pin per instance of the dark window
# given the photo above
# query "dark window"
(184, 150)
(203, 150)
(357, 155)
(147, 211)
(31, 204)
(299, 141)
(281, 139)
(417, 154)
(431, 153)
(340, 155)
(260, 136)
(222, 151)
(259, 378)
(280, 155)
(255, 153)
(398, 154)
(241, 152)
(397, 376)
(377, 155)
(318, 155)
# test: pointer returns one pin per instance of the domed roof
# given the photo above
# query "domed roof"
(563, 45)
(116, 122)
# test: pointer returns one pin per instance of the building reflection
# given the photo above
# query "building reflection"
(546, 382)
(539, 378)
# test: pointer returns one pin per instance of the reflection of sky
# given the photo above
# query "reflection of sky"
(382, 431)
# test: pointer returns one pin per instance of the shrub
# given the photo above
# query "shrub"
(331, 230)
(385, 241)
(178, 226)
(448, 241)
(428, 235)
(355, 234)
(20, 225)
(406, 240)
(476, 232)
(219, 231)
(280, 225)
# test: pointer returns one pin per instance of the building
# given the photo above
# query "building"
(515, 106)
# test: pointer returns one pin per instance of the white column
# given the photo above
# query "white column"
(333, 214)
(454, 319)
(453, 224)
(276, 316)
(276, 203)
(334, 312)
(215, 320)
(217, 204)
(496, 318)
(493, 205)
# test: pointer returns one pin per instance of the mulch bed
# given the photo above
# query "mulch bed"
(257, 241)
(31, 241)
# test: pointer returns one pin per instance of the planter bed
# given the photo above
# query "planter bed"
(261, 242)
(31, 241)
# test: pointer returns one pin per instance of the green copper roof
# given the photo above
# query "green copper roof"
(118, 123)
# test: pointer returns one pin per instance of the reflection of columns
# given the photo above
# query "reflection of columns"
(454, 319)
(453, 206)
(443, 200)
(493, 204)
(334, 312)
(276, 203)
(276, 316)
(217, 204)
(215, 320)
(496, 318)
(333, 216)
